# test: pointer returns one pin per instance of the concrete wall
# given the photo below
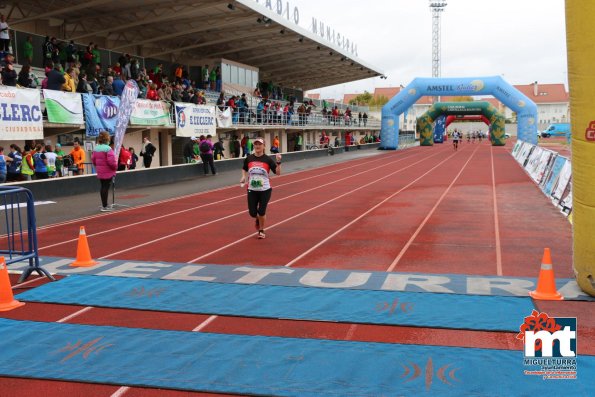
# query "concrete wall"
(67, 186)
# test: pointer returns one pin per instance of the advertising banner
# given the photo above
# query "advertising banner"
(553, 177)
(148, 112)
(561, 183)
(63, 107)
(129, 96)
(195, 120)
(101, 113)
(20, 114)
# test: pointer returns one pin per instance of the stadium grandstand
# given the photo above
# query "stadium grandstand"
(253, 55)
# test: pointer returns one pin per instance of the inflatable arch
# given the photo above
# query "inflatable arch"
(452, 119)
(494, 117)
(525, 109)
(580, 34)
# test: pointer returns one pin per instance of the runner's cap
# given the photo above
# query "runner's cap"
(259, 140)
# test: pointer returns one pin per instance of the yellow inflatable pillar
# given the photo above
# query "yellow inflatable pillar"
(580, 36)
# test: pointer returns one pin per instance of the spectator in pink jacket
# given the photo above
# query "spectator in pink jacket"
(104, 160)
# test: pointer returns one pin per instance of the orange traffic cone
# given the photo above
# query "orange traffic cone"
(546, 283)
(83, 255)
(7, 301)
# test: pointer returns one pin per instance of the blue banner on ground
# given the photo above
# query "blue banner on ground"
(493, 313)
(272, 366)
(101, 113)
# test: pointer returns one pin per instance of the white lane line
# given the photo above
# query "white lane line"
(205, 323)
(496, 221)
(75, 314)
(423, 223)
(242, 212)
(121, 391)
(320, 243)
(311, 209)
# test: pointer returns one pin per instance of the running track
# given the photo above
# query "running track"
(422, 210)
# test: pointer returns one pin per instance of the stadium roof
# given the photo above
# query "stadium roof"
(190, 31)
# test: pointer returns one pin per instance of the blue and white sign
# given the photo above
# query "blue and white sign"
(194, 120)
(101, 113)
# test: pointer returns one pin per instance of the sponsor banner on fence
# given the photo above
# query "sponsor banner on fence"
(101, 113)
(148, 112)
(224, 118)
(129, 97)
(553, 177)
(20, 114)
(562, 182)
(63, 107)
(194, 120)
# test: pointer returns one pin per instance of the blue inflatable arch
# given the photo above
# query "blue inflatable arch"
(525, 108)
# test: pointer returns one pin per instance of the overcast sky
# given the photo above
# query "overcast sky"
(522, 40)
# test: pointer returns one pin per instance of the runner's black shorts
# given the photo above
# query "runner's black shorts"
(258, 201)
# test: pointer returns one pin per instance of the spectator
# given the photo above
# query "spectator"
(69, 81)
(148, 152)
(4, 35)
(71, 54)
(275, 145)
(78, 158)
(83, 86)
(189, 156)
(218, 80)
(3, 165)
(124, 159)
(218, 149)
(245, 144)
(236, 146)
(40, 162)
(118, 85)
(206, 155)
(205, 77)
(28, 51)
(14, 159)
(108, 88)
(51, 158)
(56, 78)
(221, 101)
(9, 75)
(59, 160)
(26, 78)
(27, 165)
(133, 158)
(213, 79)
(152, 92)
(104, 160)
(365, 118)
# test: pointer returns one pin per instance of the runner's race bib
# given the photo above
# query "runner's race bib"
(256, 182)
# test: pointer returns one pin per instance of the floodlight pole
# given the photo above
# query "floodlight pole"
(437, 8)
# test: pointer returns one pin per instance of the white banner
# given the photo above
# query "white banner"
(63, 107)
(147, 112)
(224, 118)
(20, 114)
(195, 120)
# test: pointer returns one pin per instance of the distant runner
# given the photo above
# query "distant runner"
(256, 170)
(455, 140)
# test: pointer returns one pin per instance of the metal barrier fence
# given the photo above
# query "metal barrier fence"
(19, 230)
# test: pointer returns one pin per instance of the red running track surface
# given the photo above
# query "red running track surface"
(423, 210)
